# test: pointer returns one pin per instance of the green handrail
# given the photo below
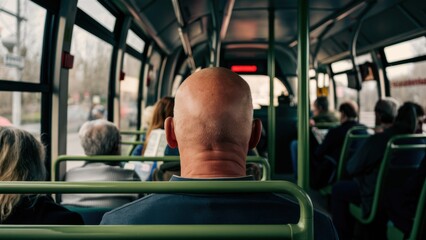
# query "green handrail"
(391, 147)
(350, 137)
(134, 143)
(132, 132)
(302, 230)
(420, 213)
(266, 175)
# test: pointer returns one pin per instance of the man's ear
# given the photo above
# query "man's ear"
(256, 131)
(170, 132)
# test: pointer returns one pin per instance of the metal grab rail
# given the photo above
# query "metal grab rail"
(302, 230)
(391, 147)
(349, 138)
(266, 174)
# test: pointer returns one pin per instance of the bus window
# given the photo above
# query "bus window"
(368, 98)
(134, 41)
(129, 92)
(405, 50)
(21, 40)
(24, 112)
(346, 64)
(88, 83)
(153, 75)
(259, 86)
(343, 92)
(95, 10)
(408, 82)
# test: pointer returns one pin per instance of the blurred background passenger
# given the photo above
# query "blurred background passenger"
(162, 110)
(385, 112)
(321, 112)
(21, 159)
(363, 170)
(99, 137)
(326, 156)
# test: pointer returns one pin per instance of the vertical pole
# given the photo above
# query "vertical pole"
(271, 108)
(17, 96)
(303, 94)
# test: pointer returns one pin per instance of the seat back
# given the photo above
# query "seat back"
(302, 230)
(354, 138)
(385, 178)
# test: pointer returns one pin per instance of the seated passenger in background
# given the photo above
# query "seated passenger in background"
(22, 159)
(214, 128)
(154, 147)
(327, 155)
(385, 112)
(99, 137)
(363, 168)
(321, 112)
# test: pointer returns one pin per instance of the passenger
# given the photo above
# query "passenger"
(385, 112)
(21, 159)
(214, 128)
(327, 155)
(321, 112)
(363, 168)
(162, 110)
(99, 137)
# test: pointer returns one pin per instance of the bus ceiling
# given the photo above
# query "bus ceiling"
(232, 24)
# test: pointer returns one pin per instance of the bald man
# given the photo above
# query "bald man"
(213, 127)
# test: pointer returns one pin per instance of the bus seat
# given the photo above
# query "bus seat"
(354, 138)
(301, 230)
(397, 174)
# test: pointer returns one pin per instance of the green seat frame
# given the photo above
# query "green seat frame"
(344, 154)
(266, 175)
(391, 147)
(302, 230)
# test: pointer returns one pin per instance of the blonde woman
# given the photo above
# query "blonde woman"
(21, 159)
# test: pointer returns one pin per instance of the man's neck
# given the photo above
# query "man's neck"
(213, 164)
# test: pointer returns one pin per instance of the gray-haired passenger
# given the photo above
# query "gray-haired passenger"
(99, 137)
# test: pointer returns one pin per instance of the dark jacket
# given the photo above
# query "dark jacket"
(42, 210)
(333, 141)
(265, 208)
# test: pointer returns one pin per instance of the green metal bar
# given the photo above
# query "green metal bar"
(350, 136)
(100, 158)
(147, 232)
(302, 230)
(271, 73)
(420, 211)
(132, 142)
(303, 95)
(391, 147)
(130, 132)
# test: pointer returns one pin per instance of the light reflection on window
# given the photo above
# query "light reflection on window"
(409, 49)
(98, 12)
(135, 41)
(259, 86)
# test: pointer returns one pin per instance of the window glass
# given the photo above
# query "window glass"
(153, 75)
(368, 98)
(135, 41)
(95, 10)
(343, 93)
(346, 64)
(408, 82)
(88, 84)
(22, 110)
(21, 41)
(129, 92)
(259, 86)
(409, 49)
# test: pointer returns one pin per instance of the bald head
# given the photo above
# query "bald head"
(213, 120)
